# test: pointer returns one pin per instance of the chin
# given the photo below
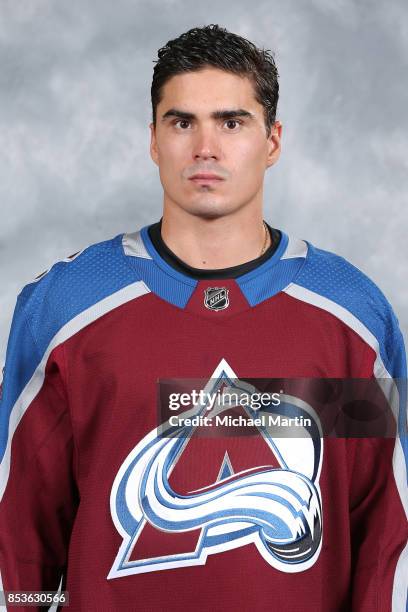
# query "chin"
(210, 210)
(208, 214)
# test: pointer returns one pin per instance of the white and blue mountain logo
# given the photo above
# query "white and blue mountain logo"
(278, 509)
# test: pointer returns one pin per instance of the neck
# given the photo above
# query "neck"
(215, 243)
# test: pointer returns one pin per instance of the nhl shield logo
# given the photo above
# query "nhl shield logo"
(216, 298)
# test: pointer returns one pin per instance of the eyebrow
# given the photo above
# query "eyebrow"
(218, 114)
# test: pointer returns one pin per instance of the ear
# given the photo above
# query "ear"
(274, 144)
(153, 145)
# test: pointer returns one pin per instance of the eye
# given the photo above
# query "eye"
(232, 121)
(181, 121)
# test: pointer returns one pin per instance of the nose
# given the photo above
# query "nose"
(205, 145)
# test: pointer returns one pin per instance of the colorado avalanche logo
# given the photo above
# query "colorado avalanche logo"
(278, 509)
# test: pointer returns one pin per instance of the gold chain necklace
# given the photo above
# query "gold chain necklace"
(265, 240)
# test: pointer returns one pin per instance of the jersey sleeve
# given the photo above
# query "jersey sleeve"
(379, 500)
(378, 493)
(37, 480)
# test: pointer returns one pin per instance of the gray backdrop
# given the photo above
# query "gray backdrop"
(74, 141)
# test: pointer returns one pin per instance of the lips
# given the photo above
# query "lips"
(206, 177)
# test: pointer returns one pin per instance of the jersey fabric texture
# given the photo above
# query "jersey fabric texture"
(129, 520)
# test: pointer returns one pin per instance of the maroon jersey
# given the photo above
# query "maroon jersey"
(93, 493)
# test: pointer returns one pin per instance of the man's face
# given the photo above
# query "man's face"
(209, 122)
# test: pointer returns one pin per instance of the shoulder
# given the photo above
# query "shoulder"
(336, 278)
(331, 282)
(73, 286)
(73, 272)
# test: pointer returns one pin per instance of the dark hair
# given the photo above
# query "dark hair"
(212, 45)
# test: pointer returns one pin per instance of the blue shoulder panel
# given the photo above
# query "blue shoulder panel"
(44, 306)
(338, 280)
(22, 359)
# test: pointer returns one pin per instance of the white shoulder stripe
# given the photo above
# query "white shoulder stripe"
(400, 587)
(133, 245)
(34, 385)
(295, 248)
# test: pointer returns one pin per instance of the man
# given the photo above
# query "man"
(136, 520)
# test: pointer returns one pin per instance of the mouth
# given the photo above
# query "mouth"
(205, 178)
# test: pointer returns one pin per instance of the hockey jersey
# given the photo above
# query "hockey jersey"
(128, 519)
